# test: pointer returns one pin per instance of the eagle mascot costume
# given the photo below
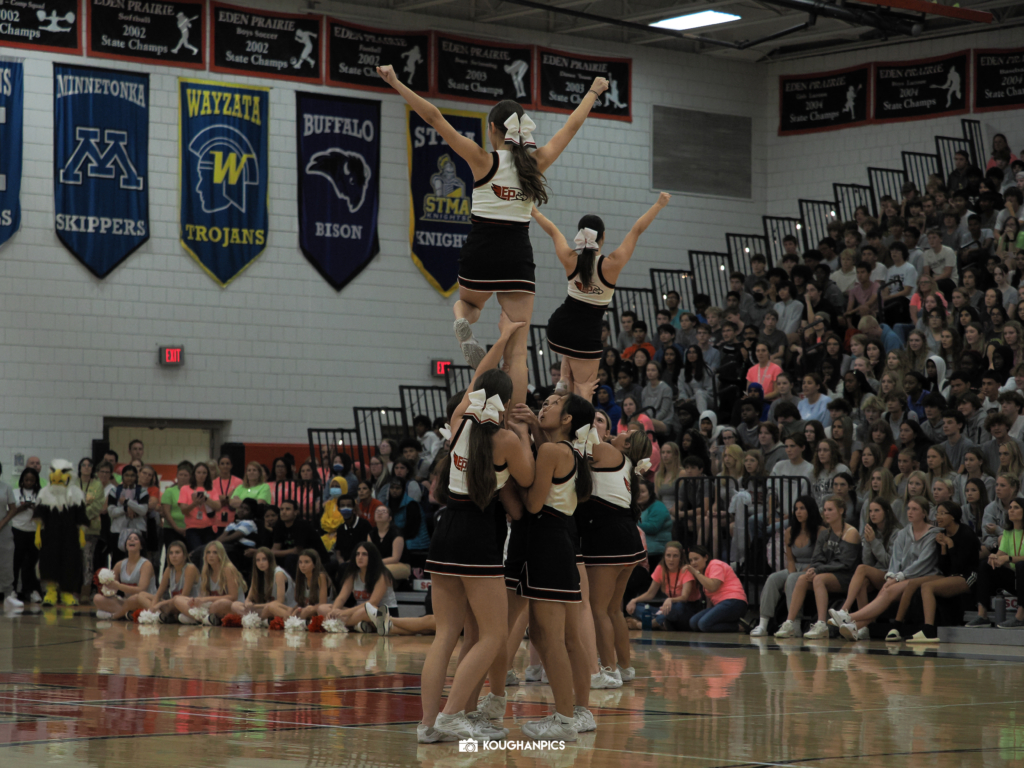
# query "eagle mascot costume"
(60, 534)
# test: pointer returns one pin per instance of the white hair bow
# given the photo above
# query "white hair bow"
(446, 431)
(642, 467)
(519, 130)
(586, 240)
(586, 439)
(486, 409)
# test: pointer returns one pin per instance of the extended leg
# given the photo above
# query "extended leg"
(519, 308)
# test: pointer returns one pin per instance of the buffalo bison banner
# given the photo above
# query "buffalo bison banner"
(441, 184)
(165, 32)
(339, 183)
(45, 25)
(478, 70)
(355, 52)
(565, 78)
(223, 155)
(998, 80)
(100, 153)
(824, 101)
(12, 101)
(915, 90)
(266, 44)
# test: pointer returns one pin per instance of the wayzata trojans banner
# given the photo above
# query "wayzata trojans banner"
(223, 155)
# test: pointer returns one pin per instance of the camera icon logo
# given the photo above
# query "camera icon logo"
(468, 745)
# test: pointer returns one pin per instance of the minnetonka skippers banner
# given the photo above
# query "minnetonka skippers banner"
(998, 79)
(915, 90)
(565, 79)
(355, 52)
(282, 45)
(824, 101)
(46, 25)
(339, 183)
(157, 31)
(478, 70)
(223, 154)
(12, 102)
(100, 153)
(441, 184)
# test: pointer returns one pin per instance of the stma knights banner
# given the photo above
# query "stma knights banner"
(223, 155)
(441, 184)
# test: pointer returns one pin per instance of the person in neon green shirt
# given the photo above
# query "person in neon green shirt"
(254, 486)
(1000, 571)
(174, 518)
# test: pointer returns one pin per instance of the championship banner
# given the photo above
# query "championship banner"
(916, 90)
(339, 183)
(825, 101)
(166, 32)
(43, 25)
(998, 79)
(100, 152)
(223, 155)
(12, 102)
(355, 52)
(477, 70)
(282, 45)
(565, 79)
(441, 184)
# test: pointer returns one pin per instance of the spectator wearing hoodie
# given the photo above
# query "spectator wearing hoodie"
(604, 399)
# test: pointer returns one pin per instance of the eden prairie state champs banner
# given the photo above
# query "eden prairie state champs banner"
(339, 182)
(441, 183)
(166, 32)
(12, 99)
(100, 153)
(915, 90)
(223, 152)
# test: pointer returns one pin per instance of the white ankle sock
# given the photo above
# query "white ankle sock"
(763, 624)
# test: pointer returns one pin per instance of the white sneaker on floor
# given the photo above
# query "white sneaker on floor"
(759, 631)
(35, 597)
(817, 631)
(614, 674)
(535, 673)
(12, 603)
(604, 679)
(863, 634)
(838, 618)
(849, 631)
(627, 675)
(428, 734)
(183, 618)
(477, 728)
(511, 678)
(382, 621)
(788, 629)
(492, 707)
(583, 719)
(104, 615)
(554, 727)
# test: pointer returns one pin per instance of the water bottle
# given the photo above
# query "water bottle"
(645, 617)
(999, 605)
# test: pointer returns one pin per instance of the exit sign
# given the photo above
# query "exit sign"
(438, 368)
(172, 356)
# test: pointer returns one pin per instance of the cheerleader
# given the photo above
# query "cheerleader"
(465, 557)
(312, 587)
(497, 256)
(134, 575)
(548, 577)
(220, 586)
(611, 545)
(574, 330)
(365, 567)
(272, 592)
(180, 578)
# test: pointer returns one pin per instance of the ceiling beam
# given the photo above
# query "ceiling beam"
(529, 11)
(418, 5)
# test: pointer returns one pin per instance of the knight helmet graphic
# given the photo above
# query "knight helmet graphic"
(226, 164)
(348, 173)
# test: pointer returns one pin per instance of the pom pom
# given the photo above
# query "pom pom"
(316, 624)
(252, 621)
(133, 616)
(335, 626)
(231, 620)
(148, 617)
(106, 576)
(199, 613)
(276, 623)
(294, 624)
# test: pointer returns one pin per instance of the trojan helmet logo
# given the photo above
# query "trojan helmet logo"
(226, 165)
(459, 462)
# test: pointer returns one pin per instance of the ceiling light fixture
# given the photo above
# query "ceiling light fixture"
(695, 20)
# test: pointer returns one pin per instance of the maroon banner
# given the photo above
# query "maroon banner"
(565, 79)
(998, 79)
(286, 46)
(169, 32)
(919, 90)
(824, 101)
(483, 71)
(354, 53)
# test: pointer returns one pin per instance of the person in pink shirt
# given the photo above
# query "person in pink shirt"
(764, 371)
(722, 588)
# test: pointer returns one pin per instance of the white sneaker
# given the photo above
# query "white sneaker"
(788, 629)
(818, 631)
(627, 675)
(849, 631)
(604, 679)
(511, 678)
(183, 618)
(471, 348)
(478, 728)
(535, 673)
(104, 615)
(614, 674)
(554, 727)
(863, 634)
(12, 603)
(583, 719)
(382, 621)
(35, 597)
(492, 707)
(759, 631)
(428, 734)
(838, 618)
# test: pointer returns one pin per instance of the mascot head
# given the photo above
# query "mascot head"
(61, 472)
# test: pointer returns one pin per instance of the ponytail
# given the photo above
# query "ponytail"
(637, 449)
(531, 180)
(481, 482)
(582, 413)
(586, 262)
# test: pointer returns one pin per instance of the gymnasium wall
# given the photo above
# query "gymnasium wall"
(806, 166)
(279, 350)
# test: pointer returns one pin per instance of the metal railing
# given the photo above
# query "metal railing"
(886, 181)
(541, 356)
(849, 197)
(918, 166)
(816, 216)
(973, 133)
(743, 247)
(946, 148)
(374, 424)
(678, 280)
(711, 275)
(417, 400)
(775, 229)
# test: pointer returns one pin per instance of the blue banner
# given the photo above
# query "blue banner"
(441, 184)
(12, 100)
(223, 153)
(101, 155)
(339, 183)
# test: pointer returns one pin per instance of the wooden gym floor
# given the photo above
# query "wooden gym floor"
(75, 692)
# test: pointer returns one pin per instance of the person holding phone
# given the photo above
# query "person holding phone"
(195, 500)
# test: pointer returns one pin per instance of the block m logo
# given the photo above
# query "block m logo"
(101, 165)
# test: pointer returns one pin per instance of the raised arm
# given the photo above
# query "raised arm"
(565, 253)
(618, 258)
(546, 155)
(491, 360)
(479, 159)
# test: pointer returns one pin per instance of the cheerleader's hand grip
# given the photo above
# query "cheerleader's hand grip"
(39, 534)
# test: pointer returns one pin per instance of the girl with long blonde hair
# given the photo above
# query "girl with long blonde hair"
(220, 585)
